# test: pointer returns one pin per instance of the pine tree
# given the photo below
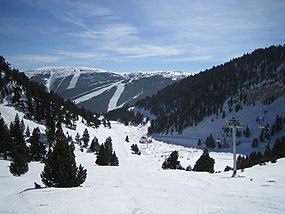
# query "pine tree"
(267, 153)
(114, 160)
(109, 149)
(199, 142)
(254, 143)
(127, 139)
(247, 132)
(106, 156)
(50, 129)
(102, 156)
(60, 169)
(77, 139)
(28, 133)
(94, 147)
(5, 140)
(19, 165)
(205, 163)
(37, 148)
(19, 151)
(172, 161)
(210, 142)
(85, 137)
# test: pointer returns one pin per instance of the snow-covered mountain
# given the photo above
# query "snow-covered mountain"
(101, 90)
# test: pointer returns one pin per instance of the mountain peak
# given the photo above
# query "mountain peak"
(102, 90)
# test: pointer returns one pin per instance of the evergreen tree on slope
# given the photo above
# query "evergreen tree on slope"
(60, 169)
(102, 156)
(85, 138)
(205, 163)
(5, 140)
(94, 147)
(19, 151)
(172, 161)
(38, 150)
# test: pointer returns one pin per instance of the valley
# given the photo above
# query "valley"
(139, 185)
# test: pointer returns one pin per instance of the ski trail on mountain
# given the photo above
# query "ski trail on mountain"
(74, 79)
(114, 100)
(50, 80)
(94, 94)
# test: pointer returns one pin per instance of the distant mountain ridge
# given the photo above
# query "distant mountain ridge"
(100, 90)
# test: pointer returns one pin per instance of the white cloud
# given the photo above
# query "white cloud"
(88, 10)
(125, 40)
(80, 55)
(191, 58)
(33, 59)
(147, 50)
(111, 32)
(221, 25)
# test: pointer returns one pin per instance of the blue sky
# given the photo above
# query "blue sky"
(135, 35)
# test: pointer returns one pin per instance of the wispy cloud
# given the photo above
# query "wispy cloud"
(111, 32)
(220, 25)
(191, 58)
(129, 33)
(80, 55)
(34, 58)
(125, 39)
(72, 11)
(147, 50)
(87, 10)
(30, 60)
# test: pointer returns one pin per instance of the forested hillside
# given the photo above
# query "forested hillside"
(258, 76)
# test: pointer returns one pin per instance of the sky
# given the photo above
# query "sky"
(137, 35)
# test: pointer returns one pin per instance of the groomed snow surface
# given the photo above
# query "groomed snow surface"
(139, 185)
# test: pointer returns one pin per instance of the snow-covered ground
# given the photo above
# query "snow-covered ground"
(139, 185)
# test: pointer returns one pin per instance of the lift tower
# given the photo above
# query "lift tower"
(234, 124)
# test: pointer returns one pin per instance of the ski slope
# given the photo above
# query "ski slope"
(139, 185)
(90, 95)
(114, 100)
